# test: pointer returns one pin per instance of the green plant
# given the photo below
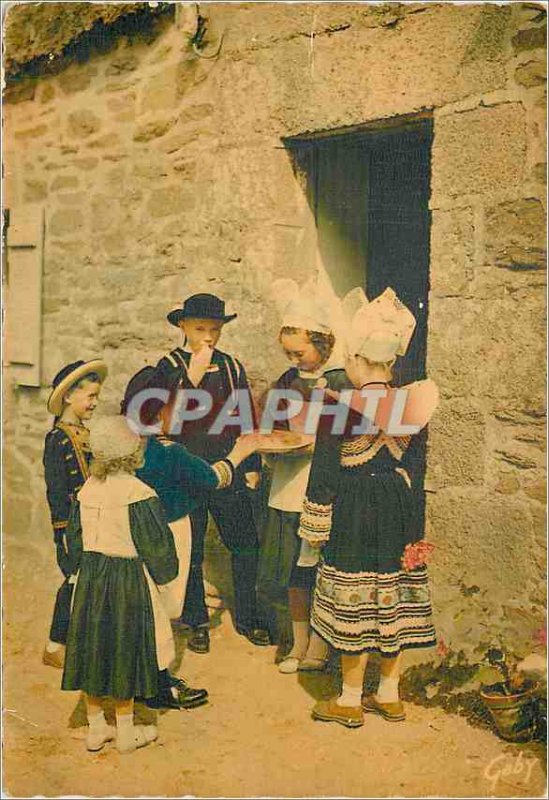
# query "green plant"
(496, 665)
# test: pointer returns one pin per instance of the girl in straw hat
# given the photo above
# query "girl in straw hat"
(372, 593)
(66, 459)
(121, 548)
(287, 566)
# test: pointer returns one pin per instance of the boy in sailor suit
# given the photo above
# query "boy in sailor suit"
(75, 390)
(200, 365)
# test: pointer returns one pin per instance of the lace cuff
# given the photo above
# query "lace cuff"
(225, 473)
(315, 522)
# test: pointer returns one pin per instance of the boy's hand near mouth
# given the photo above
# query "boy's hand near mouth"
(200, 361)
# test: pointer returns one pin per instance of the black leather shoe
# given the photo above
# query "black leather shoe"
(188, 697)
(164, 699)
(199, 640)
(257, 636)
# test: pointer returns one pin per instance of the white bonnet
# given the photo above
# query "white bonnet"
(111, 438)
(311, 307)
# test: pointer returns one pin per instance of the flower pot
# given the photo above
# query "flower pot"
(514, 715)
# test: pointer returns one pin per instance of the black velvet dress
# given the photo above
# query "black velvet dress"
(361, 507)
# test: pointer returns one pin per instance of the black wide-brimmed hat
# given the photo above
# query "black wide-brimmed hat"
(68, 376)
(200, 306)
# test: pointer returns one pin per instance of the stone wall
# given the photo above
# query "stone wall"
(162, 173)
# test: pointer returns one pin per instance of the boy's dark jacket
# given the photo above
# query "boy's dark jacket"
(225, 375)
(66, 468)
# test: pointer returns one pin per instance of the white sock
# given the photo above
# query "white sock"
(350, 696)
(96, 721)
(387, 691)
(317, 649)
(53, 647)
(125, 732)
(124, 721)
(300, 630)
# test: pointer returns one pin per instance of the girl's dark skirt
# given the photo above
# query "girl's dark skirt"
(278, 571)
(280, 548)
(111, 650)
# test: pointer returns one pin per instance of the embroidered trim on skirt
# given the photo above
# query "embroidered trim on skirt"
(373, 612)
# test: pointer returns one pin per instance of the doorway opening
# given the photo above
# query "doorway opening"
(368, 190)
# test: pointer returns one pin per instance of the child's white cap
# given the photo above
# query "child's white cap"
(111, 437)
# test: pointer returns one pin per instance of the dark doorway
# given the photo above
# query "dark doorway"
(369, 193)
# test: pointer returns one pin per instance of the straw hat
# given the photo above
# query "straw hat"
(68, 377)
(111, 437)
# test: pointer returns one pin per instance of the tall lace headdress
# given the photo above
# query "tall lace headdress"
(313, 306)
(378, 330)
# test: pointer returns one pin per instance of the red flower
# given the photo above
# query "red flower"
(540, 636)
(442, 649)
(416, 555)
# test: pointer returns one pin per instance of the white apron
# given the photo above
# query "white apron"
(291, 472)
(106, 529)
(173, 593)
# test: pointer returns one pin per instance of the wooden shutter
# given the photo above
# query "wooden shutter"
(23, 309)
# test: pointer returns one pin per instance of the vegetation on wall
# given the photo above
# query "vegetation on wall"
(43, 38)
